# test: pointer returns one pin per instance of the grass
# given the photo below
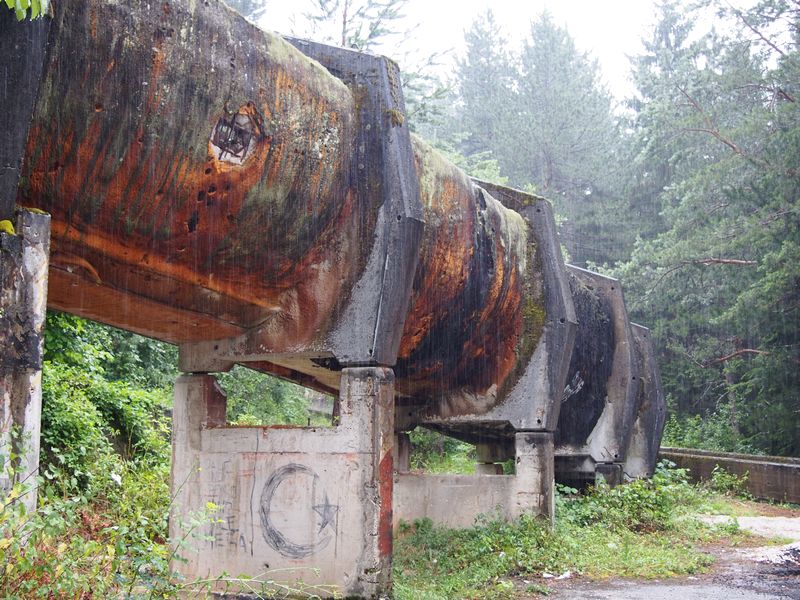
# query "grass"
(645, 529)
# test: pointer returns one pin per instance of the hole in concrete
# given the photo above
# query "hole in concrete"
(191, 224)
(258, 399)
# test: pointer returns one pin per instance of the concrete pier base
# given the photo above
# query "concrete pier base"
(611, 473)
(458, 500)
(402, 452)
(23, 304)
(306, 508)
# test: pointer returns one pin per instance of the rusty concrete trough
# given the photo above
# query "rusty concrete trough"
(259, 200)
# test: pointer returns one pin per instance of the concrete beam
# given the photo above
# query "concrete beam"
(23, 301)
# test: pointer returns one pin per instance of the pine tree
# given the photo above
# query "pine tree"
(718, 129)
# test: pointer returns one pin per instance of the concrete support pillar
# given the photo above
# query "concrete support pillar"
(402, 452)
(535, 475)
(611, 473)
(23, 305)
(293, 503)
(372, 389)
(489, 456)
(199, 403)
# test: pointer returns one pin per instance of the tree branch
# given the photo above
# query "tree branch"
(700, 261)
(732, 355)
(719, 261)
(713, 131)
(763, 38)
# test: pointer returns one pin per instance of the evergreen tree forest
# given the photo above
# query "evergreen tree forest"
(687, 191)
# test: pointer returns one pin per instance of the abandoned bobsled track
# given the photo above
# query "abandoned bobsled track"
(259, 200)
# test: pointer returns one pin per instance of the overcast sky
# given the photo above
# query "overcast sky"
(608, 29)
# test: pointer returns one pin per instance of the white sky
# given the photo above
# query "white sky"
(610, 30)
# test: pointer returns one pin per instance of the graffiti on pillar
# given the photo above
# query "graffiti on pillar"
(297, 481)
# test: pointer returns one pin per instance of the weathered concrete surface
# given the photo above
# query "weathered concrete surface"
(23, 46)
(534, 475)
(294, 503)
(260, 200)
(768, 477)
(651, 415)
(452, 500)
(600, 401)
(460, 500)
(23, 301)
(533, 402)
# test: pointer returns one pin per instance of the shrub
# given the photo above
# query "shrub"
(644, 505)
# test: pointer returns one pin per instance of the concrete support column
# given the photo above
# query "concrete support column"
(198, 403)
(611, 473)
(402, 452)
(372, 388)
(535, 475)
(23, 304)
(489, 456)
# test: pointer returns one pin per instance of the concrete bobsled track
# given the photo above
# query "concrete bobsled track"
(259, 200)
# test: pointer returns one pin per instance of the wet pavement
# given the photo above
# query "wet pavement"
(754, 573)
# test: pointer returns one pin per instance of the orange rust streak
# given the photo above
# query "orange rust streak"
(445, 255)
(114, 249)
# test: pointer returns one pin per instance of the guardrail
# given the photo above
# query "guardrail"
(768, 477)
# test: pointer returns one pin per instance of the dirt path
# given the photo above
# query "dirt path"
(755, 573)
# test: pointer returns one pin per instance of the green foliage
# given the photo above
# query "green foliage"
(544, 116)
(713, 430)
(434, 452)
(86, 418)
(255, 399)
(20, 7)
(357, 24)
(101, 522)
(636, 530)
(729, 484)
(644, 505)
(110, 352)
